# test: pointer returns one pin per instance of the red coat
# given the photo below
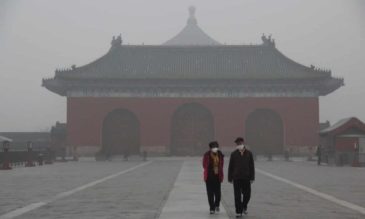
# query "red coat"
(206, 162)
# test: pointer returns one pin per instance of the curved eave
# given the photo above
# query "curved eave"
(330, 84)
(55, 86)
(314, 72)
(320, 87)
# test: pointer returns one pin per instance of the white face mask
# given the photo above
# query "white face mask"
(214, 150)
(240, 147)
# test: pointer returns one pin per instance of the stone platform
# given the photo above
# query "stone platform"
(174, 188)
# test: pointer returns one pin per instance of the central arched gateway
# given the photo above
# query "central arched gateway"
(264, 132)
(121, 133)
(191, 130)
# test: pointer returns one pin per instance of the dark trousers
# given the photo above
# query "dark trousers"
(242, 194)
(214, 192)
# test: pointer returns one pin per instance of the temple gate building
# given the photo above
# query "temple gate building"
(176, 97)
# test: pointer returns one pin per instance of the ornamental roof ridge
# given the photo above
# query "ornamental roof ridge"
(318, 69)
(311, 68)
(59, 71)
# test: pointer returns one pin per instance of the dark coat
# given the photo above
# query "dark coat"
(241, 166)
(207, 166)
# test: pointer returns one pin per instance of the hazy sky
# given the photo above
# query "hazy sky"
(38, 36)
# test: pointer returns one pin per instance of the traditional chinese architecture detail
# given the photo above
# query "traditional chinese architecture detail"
(154, 81)
(116, 42)
(192, 34)
(267, 41)
(343, 143)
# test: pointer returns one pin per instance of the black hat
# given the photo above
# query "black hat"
(213, 144)
(239, 140)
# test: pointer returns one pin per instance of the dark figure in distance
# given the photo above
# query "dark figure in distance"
(319, 154)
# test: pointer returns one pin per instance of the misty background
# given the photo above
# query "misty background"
(38, 36)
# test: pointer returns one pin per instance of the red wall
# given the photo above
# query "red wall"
(85, 116)
(346, 143)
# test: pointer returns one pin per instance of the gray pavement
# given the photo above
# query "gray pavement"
(188, 197)
(140, 193)
(345, 182)
(22, 186)
(275, 199)
(173, 188)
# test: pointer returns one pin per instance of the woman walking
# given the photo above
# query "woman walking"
(213, 175)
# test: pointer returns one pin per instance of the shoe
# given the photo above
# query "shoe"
(245, 211)
(238, 215)
(217, 209)
(211, 212)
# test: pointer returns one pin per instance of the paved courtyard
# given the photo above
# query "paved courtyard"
(173, 188)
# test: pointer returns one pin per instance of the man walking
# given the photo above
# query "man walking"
(241, 172)
(319, 154)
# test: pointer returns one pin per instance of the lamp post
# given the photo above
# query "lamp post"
(355, 162)
(6, 160)
(30, 162)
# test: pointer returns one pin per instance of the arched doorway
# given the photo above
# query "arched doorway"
(120, 134)
(191, 130)
(264, 132)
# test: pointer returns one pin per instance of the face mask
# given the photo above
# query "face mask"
(240, 147)
(214, 150)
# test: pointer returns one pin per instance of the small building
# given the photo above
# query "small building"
(59, 140)
(344, 142)
(324, 125)
(176, 97)
(40, 140)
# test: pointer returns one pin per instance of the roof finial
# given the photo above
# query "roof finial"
(192, 19)
(192, 11)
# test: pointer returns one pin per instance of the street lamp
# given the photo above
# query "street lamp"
(6, 161)
(355, 162)
(30, 162)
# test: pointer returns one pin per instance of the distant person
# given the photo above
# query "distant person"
(213, 175)
(241, 172)
(319, 155)
(108, 153)
(126, 153)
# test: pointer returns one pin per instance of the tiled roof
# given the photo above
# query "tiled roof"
(344, 124)
(192, 56)
(193, 62)
(27, 136)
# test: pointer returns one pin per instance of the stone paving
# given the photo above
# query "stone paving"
(140, 193)
(345, 182)
(188, 197)
(274, 199)
(173, 188)
(22, 186)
